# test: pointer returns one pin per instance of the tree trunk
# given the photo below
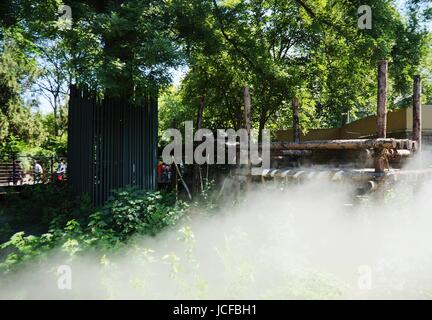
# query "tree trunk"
(296, 120)
(197, 176)
(417, 112)
(382, 99)
(247, 124)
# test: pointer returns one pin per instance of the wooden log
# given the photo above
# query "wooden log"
(247, 109)
(396, 153)
(296, 120)
(380, 160)
(174, 176)
(355, 144)
(293, 153)
(197, 176)
(417, 114)
(404, 144)
(247, 122)
(382, 99)
(363, 175)
(371, 186)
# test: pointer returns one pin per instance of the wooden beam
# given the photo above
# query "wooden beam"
(197, 176)
(200, 112)
(247, 109)
(417, 112)
(354, 144)
(296, 120)
(382, 99)
(247, 120)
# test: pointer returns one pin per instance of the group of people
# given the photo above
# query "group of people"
(164, 172)
(38, 171)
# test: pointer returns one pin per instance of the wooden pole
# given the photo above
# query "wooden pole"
(197, 176)
(181, 179)
(354, 144)
(380, 155)
(296, 120)
(382, 99)
(14, 169)
(174, 175)
(247, 110)
(200, 112)
(417, 111)
(247, 123)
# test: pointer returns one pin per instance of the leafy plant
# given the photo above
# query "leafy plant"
(38, 208)
(136, 211)
(129, 212)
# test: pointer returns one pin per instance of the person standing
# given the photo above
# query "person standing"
(61, 170)
(160, 170)
(38, 172)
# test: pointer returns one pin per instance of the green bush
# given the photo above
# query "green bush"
(38, 208)
(135, 211)
(129, 212)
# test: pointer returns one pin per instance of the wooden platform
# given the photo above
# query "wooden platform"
(338, 174)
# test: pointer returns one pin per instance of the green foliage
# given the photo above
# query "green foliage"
(40, 207)
(16, 75)
(74, 226)
(129, 46)
(134, 211)
(171, 110)
(314, 52)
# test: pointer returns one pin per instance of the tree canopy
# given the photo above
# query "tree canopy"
(311, 50)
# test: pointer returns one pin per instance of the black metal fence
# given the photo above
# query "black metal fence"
(111, 144)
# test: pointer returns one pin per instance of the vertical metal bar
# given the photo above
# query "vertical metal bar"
(104, 148)
(155, 137)
(99, 151)
(145, 143)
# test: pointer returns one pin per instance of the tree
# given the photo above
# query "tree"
(16, 75)
(313, 50)
(54, 80)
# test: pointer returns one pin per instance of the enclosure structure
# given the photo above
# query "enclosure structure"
(399, 126)
(371, 151)
(112, 143)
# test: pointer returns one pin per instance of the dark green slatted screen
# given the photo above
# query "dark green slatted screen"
(112, 144)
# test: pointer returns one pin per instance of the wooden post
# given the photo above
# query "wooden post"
(247, 123)
(181, 178)
(247, 110)
(296, 120)
(174, 175)
(200, 112)
(197, 176)
(417, 111)
(380, 157)
(14, 169)
(51, 175)
(382, 99)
